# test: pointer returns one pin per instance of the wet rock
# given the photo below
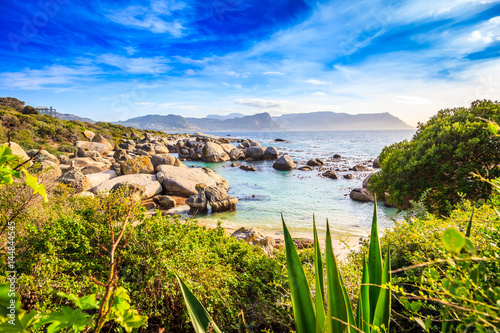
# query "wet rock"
(279, 140)
(284, 163)
(361, 194)
(139, 164)
(254, 152)
(247, 168)
(237, 154)
(271, 153)
(198, 202)
(315, 162)
(253, 237)
(305, 168)
(349, 176)
(330, 174)
(337, 156)
(360, 167)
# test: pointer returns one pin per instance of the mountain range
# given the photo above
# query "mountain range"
(313, 121)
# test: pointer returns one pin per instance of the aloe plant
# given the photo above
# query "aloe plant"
(374, 307)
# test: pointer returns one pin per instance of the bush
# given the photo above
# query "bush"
(440, 158)
(29, 110)
(59, 250)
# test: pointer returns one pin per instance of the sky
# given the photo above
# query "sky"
(114, 60)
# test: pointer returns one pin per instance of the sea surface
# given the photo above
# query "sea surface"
(267, 193)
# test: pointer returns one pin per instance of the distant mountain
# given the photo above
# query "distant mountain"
(157, 122)
(257, 122)
(327, 120)
(67, 116)
(229, 116)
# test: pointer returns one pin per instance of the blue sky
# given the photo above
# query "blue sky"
(113, 60)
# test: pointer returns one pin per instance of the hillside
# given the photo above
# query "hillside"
(169, 122)
(256, 122)
(326, 120)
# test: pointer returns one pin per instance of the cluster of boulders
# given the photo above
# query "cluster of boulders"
(212, 149)
(143, 166)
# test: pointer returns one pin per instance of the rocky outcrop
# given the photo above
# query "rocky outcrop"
(254, 152)
(182, 181)
(284, 163)
(50, 169)
(198, 202)
(247, 168)
(42, 155)
(376, 164)
(237, 154)
(99, 147)
(367, 180)
(101, 177)
(330, 174)
(76, 180)
(150, 182)
(360, 167)
(219, 199)
(253, 237)
(213, 153)
(138, 164)
(361, 194)
(166, 159)
(17, 150)
(271, 153)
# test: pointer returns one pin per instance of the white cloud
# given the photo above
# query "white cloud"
(130, 50)
(259, 103)
(154, 65)
(237, 85)
(55, 76)
(319, 93)
(317, 82)
(273, 73)
(155, 18)
(488, 32)
(189, 72)
(412, 100)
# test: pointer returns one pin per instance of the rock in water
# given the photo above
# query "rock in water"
(139, 164)
(76, 180)
(271, 153)
(219, 200)
(360, 167)
(376, 164)
(330, 174)
(237, 154)
(254, 152)
(361, 194)
(284, 163)
(253, 237)
(213, 153)
(198, 202)
(247, 168)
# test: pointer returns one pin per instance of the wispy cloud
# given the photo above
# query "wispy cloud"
(319, 93)
(317, 82)
(259, 103)
(156, 65)
(273, 73)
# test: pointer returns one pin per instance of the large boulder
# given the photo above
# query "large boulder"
(83, 162)
(284, 163)
(76, 180)
(166, 159)
(271, 153)
(255, 152)
(160, 149)
(101, 148)
(182, 181)
(100, 177)
(376, 164)
(253, 237)
(138, 164)
(227, 147)
(198, 202)
(315, 162)
(129, 189)
(367, 179)
(150, 182)
(87, 153)
(361, 194)
(219, 200)
(100, 139)
(359, 167)
(50, 169)
(237, 154)
(89, 134)
(17, 150)
(43, 155)
(330, 174)
(165, 201)
(213, 153)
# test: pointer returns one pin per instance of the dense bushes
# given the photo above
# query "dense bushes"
(60, 249)
(440, 158)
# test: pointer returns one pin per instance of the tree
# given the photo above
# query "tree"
(440, 158)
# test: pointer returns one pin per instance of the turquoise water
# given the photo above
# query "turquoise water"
(265, 194)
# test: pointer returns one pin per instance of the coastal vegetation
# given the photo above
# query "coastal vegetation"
(444, 256)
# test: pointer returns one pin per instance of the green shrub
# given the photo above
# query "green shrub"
(440, 158)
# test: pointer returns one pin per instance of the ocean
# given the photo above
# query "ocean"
(267, 193)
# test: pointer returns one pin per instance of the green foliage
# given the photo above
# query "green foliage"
(12, 102)
(58, 250)
(440, 158)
